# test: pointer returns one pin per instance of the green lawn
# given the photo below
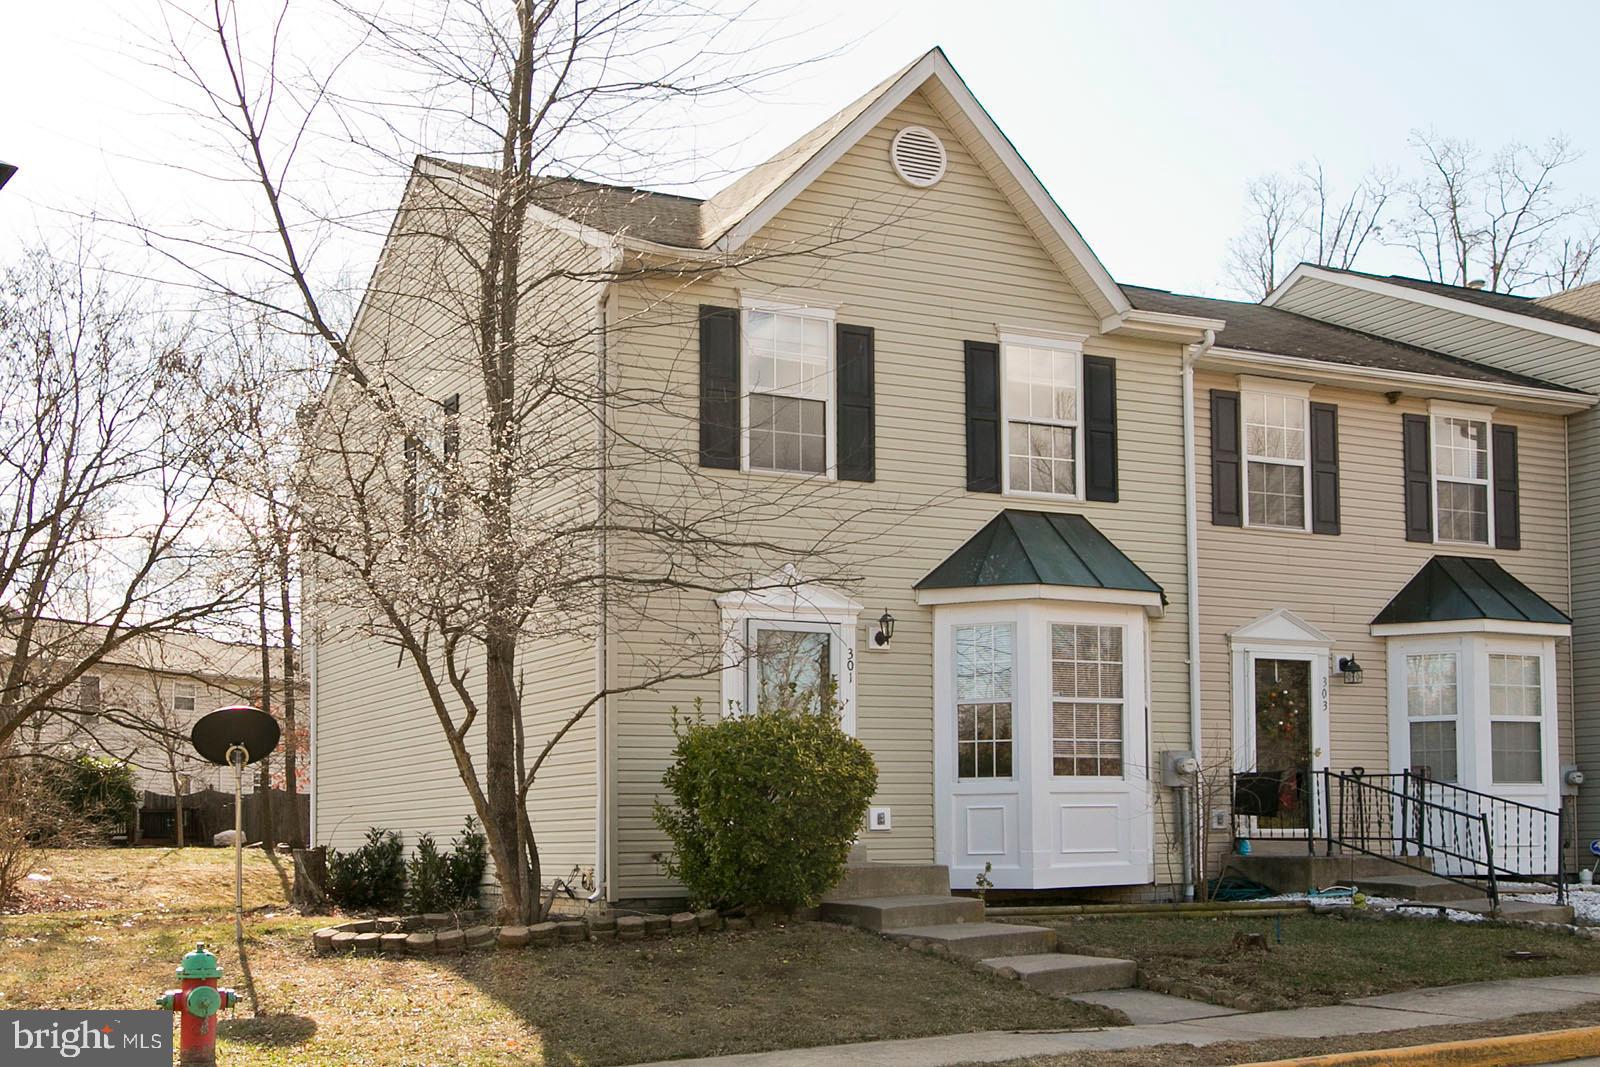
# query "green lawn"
(589, 1003)
(1323, 959)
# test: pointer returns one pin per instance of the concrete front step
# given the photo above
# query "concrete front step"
(1520, 910)
(896, 913)
(1301, 873)
(983, 940)
(1062, 973)
(1420, 887)
(872, 881)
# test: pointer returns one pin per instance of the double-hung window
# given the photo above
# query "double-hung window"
(1516, 711)
(1432, 694)
(1276, 464)
(1044, 442)
(183, 698)
(788, 371)
(985, 726)
(1461, 478)
(1086, 688)
(89, 694)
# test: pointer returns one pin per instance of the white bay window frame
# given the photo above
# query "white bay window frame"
(1440, 416)
(820, 389)
(1269, 391)
(1014, 349)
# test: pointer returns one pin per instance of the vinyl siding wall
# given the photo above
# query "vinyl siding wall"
(1339, 583)
(1567, 362)
(927, 270)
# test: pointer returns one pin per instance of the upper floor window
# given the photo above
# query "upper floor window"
(1461, 478)
(1042, 417)
(183, 697)
(89, 694)
(1276, 460)
(788, 368)
(428, 453)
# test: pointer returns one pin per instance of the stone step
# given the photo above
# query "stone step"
(1521, 910)
(983, 940)
(1420, 887)
(1061, 973)
(1301, 873)
(871, 881)
(895, 913)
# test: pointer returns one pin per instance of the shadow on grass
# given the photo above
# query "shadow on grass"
(269, 1031)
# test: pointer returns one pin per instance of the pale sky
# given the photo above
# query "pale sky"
(1145, 120)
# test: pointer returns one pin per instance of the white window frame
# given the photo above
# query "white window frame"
(182, 691)
(1073, 346)
(787, 602)
(1016, 741)
(1468, 413)
(1455, 718)
(829, 390)
(1300, 393)
(1121, 702)
(1537, 719)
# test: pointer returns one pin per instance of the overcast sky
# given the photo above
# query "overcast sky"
(1144, 119)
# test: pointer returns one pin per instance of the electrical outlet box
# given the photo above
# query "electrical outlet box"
(878, 819)
(1219, 818)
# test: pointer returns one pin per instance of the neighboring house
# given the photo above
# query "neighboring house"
(1008, 427)
(138, 705)
(1550, 338)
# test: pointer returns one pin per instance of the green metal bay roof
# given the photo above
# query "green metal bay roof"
(1039, 548)
(1454, 588)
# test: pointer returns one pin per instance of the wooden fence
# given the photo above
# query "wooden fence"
(210, 811)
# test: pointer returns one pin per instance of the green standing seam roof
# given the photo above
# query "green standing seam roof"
(1451, 588)
(1040, 548)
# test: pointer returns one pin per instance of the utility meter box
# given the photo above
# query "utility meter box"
(1178, 768)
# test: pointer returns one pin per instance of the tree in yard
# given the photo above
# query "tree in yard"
(1304, 218)
(457, 473)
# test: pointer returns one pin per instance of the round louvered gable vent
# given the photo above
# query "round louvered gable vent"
(918, 156)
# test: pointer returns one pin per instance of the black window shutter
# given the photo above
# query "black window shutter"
(1507, 496)
(719, 387)
(1324, 468)
(1226, 507)
(1418, 477)
(857, 441)
(983, 417)
(452, 427)
(1100, 428)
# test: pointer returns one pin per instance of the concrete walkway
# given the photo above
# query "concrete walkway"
(1395, 1011)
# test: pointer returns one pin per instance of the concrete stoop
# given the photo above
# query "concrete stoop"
(895, 913)
(875, 881)
(1062, 974)
(982, 940)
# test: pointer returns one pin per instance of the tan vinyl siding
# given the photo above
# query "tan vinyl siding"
(1339, 583)
(927, 270)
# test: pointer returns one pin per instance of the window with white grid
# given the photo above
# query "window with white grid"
(183, 697)
(1042, 418)
(788, 368)
(1516, 710)
(1086, 689)
(1431, 707)
(985, 662)
(1276, 464)
(1461, 478)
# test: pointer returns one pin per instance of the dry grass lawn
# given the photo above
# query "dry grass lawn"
(591, 1004)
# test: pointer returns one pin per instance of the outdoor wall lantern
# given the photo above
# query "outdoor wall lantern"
(1350, 669)
(885, 630)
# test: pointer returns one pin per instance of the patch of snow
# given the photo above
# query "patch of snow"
(35, 876)
(1585, 901)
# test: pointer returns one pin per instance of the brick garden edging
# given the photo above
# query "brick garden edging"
(428, 935)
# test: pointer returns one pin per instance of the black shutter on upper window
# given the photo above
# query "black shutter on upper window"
(719, 387)
(1100, 428)
(1507, 495)
(452, 427)
(412, 471)
(1226, 509)
(1418, 468)
(857, 433)
(983, 417)
(1324, 468)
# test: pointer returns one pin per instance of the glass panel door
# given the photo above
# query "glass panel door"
(1283, 742)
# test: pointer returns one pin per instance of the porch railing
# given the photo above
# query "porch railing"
(1474, 838)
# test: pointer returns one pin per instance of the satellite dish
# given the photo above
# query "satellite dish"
(248, 728)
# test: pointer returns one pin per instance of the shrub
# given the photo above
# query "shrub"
(100, 790)
(425, 877)
(371, 876)
(464, 866)
(766, 805)
(442, 881)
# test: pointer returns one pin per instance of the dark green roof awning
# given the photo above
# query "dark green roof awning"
(1040, 548)
(1456, 588)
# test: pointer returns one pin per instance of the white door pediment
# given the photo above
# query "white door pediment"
(1279, 627)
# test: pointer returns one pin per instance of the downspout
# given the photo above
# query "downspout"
(1187, 800)
(602, 748)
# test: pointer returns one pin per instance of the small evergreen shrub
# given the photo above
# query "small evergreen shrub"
(765, 806)
(371, 876)
(425, 877)
(446, 881)
(464, 866)
(100, 790)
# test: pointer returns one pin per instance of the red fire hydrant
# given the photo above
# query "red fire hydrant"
(198, 1001)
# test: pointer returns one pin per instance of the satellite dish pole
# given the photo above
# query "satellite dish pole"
(236, 737)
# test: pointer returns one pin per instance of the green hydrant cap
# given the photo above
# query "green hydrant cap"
(199, 964)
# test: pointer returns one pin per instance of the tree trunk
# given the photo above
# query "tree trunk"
(177, 802)
(310, 892)
(289, 676)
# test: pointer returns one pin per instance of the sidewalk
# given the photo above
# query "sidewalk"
(1442, 1006)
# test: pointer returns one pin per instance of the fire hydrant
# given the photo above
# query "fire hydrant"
(198, 1001)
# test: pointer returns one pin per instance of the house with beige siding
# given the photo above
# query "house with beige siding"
(1072, 527)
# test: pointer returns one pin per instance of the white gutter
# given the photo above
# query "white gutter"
(1192, 592)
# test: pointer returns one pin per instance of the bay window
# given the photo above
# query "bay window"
(1432, 707)
(985, 668)
(1516, 709)
(788, 370)
(1086, 686)
(1042, 416)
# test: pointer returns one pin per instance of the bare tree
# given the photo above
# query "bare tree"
(1304, 218)
(457, 478)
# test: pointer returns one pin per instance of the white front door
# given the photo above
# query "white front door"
(1041, 764)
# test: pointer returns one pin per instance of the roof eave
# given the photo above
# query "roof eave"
(1509, 627)
(984, 594)
(1160, 325)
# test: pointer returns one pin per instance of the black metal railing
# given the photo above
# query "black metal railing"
(1474, 838)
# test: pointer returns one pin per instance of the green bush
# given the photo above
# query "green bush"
(766, 806)
(371, 876)
(444, 881)
(99, 790)
(464, 866)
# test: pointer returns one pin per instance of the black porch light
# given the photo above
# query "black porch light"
(1350, 670)
(885, 629)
